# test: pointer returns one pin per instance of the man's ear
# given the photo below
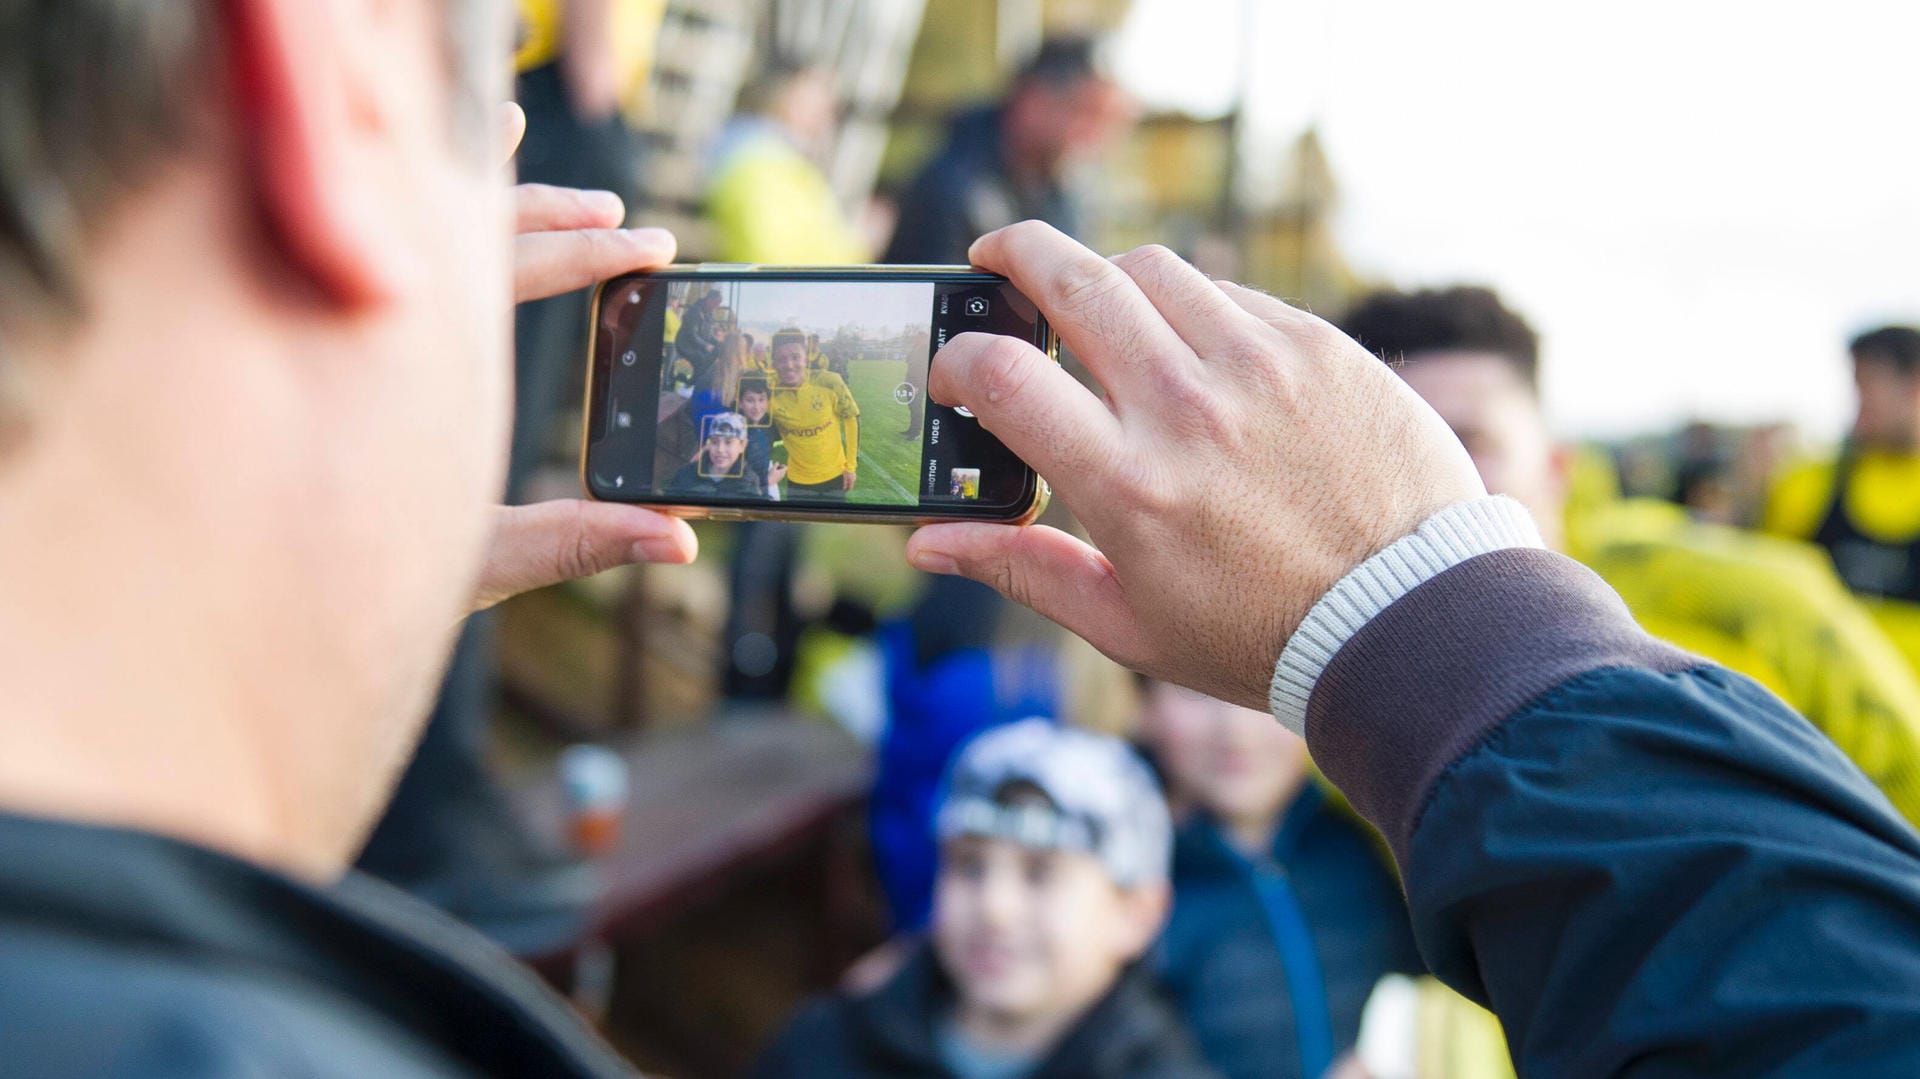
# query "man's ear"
(303, 121)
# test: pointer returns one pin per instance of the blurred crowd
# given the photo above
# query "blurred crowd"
(1091, 874)
(1173, 892)
(1153, 883)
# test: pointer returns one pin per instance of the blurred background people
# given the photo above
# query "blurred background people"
(1013, 161)
(1052, 883)
(1286, 911)
(767, 198)
(1863, 506)
(1768, 608)
(1001, 163)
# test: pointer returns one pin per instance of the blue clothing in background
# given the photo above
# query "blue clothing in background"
(1271, 960)
(934, 708)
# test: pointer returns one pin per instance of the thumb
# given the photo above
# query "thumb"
(1054, 573)
(549, 542)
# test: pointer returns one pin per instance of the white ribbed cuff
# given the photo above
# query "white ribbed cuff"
(1462, 531)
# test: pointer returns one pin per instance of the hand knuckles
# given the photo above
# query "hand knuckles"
(1081, 284)
(1005, 366)
(1150, 260)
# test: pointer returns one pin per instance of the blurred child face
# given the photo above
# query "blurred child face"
(723, 454)
(753, 405)
(1031, 935)
(1236, 764)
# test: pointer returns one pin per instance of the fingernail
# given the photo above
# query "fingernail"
(659, 549)
(652, 237)
(935, 562)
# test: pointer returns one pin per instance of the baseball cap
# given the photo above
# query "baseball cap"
(726, 425)
(1105, 801)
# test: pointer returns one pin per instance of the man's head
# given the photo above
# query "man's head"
(1886, 371)
(1233, 764)
(1054, 854)
(254, 290)
(726, 438)
(790, 357)
(711, 301)
(1063, 105)
(754, 400)
(1477, 363)
(797, 95)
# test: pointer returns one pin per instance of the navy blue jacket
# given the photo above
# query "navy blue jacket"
(1271, 961)
(1645, 865)
(129, 955)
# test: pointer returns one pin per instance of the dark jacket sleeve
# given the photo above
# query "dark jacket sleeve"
(1644, 865)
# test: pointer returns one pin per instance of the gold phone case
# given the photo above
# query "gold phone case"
(1042, 494)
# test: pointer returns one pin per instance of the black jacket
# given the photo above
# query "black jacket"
(124, 954)
(965, 191)
(889, 1034)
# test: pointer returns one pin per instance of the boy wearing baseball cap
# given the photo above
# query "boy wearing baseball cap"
(722, 468)
(1054, 853)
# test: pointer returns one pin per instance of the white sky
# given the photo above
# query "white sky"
(1694, 202)
(823, 307)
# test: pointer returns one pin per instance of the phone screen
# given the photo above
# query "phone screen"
(797, 387)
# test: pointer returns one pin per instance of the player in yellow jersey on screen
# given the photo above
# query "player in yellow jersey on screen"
(818, 421)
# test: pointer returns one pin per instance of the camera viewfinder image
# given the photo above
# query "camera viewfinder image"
(830, 372)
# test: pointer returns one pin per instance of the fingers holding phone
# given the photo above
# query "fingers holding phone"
(800, 361)
(1248, 455)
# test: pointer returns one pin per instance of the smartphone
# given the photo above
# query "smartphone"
(798, 393)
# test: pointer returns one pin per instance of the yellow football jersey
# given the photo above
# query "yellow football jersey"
(1882, 504)
(1773, 610)
(815, 420)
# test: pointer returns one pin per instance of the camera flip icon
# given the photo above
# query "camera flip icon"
(977, 306)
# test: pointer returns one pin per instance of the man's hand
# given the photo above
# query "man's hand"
(549, 542)
(776, 473)
(568, 240)
(846, 480)
(1246, 457)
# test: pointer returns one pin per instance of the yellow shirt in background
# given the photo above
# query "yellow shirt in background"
(1774, 610)
(1883, 500)
(633, 31)
(768, 203)
(1883, 497)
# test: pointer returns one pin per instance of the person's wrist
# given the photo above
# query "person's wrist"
(1450, 537)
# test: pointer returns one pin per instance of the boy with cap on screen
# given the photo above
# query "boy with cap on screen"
(1054, 853)
(722, 469)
